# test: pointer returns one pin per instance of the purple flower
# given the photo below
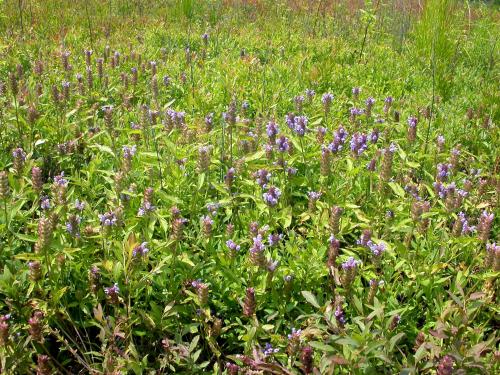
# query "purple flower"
(18, 153)
(388, 100)
(258, 246)
(45, 203)
(80, 206)
(327, 100)
(358, 143)
(129, 152)
(340, 315)
(412, 122)
(310, 94)
(212, 208)
(232, 245)
(112, 290)
(140, 250)
(373, 137)
(300, 125)
(440, 140)
(295, 334)
(376, 249)
(271, 196)
(108, 219)
(283, 144)
(350, 263)
(262, 177)
(269, 350)
(291, 171)
(314, 195)
(443, 171)
(272, 129)
(370, 102)
(356, 91)
(60, 180)
(274, 239)
(209, 120)
(135, 126)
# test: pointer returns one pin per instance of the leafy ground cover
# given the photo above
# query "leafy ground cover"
(250, 187)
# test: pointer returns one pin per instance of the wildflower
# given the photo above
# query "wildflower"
(299, 101)
(440, 143)
(354, 113)
(36, 326)
(274, 238)
(231, 245)
(73, 225)
(376, 249)
(204, 158)
(94, 278)
(113, 293)
(202, 291)
(283, 144)
(374, 284)
(147, 202)
(327, 100)
(272, 196)
(349, 267)
(272, 131)
(300, 125)
(269, 350)
(36, 179)
(484, 225)
(45, 203)
(249, 304)
(4, 330)
(60, 180)
(19, 157)
(262, 177)
(80, 206)
(358, 143)
(207, 223)
(257, 251)
(370, 166)
(140, 250)
(45, 230)
(310, 95)
(229, 177)
(412, 128)
(335, 213)
(387, 104)
(445, 366)
(108, 219)
(306, 358)
(493, 256)
(232, 368)
(365, 238)
(369, 104)
(333, 251)
(35, 270)
(340, 316)
(313, 198)
(355, 92)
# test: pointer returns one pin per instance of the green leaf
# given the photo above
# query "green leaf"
(322, 347)
(311, 298)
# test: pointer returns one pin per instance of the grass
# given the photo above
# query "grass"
(183, 257)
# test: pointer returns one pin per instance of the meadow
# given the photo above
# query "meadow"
(249, 187)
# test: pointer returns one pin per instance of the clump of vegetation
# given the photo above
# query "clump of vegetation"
(249, 187)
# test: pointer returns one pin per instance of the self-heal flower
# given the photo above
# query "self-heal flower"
(274, 238)
(262, 177)
(272, 196)
(376, 249)
(108, 219)
(233, 246)
(60, 180)
(140, 250)
(80, 206)
(300, 125)
(272, 130)
(283, 144)
(358, 143)
(45, 203)
(112, 293)
(269, 350)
